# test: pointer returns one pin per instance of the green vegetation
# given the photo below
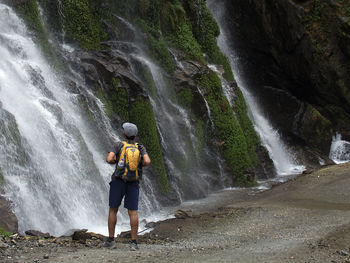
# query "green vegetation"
(85, 106)
(185, 97)
(119, 98)
(227, 128)
(2, 178)
(160, 53)
(4, 233)
(141, 113)
(115, 100)
(206, 30)
(147, 75)
(183, 39)
(83, 22)
(345, 7)
(252, 139)
(30, 14)
(323, 127)
(200, 135)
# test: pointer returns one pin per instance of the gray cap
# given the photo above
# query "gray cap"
(130, 129)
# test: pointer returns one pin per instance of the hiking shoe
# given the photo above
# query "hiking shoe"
(133, 245)
(109, 243)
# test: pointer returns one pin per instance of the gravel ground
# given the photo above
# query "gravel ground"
(304, 220)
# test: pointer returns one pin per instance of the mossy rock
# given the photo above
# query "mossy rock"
(148, 79)
(252, 139)
(141, 113)
(160, 53)
(83, 22)
(4, 233)
(115, 100)
(316, 130)
(206, 30)
(185, 97)
(29, 11)
(2, 178)
(227, 128)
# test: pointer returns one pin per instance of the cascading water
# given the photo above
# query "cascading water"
(187, 166)
(283, 160)
(340, 150)
(52, 161)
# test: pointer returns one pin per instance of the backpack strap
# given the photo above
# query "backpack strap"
(123, 151)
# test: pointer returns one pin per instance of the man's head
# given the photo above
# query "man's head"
(129, 130)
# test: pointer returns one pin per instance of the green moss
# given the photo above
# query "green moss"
(172, 14)
(148, 78)
(119, 99)
(185, 97)
(107, 104)
(2, 178)
(206, 30)
(115, 100)
(4, 233)
(184, 40)
(142, 115)
(227, 128)
(83, 22)
(160, 53)
(323, 127)
(30, 13)
(252, 139)
(200, 135)
(85, 106)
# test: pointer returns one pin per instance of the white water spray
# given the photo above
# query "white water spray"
(54, 167)
(340, 150)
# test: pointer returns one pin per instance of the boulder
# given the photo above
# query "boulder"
(16, 3)
(37, 233)
(81, 235)
(180, 214)
(8, 220)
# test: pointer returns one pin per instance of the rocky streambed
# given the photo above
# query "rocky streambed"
(306, 219)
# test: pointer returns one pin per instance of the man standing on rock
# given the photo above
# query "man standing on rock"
(125, 181)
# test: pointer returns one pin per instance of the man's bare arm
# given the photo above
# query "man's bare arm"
(111, 158)
(146, 160)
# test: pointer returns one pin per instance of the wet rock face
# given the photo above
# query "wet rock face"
(293, 72)
(16, 2)
(8, 220)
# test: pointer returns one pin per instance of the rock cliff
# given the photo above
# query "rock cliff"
(295, 56)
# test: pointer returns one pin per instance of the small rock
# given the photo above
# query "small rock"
(41, 243)
(36, 233)
(342, 253)
(14, 236)
(125, 234)
(3, 245)
(81, 235)
(46, 256)
(180, 214)
(307, 171)
(150, 224)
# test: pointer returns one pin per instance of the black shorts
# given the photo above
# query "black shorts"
(119, 189)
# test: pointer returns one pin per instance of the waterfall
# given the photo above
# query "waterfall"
(340, 150)
(191, 170)
(283, 160)
(52, 158)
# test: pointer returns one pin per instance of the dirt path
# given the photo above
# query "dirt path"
(304, 220)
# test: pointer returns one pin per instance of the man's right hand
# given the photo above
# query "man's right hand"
(111, 158)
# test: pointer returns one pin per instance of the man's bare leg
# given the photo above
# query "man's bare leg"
(134, 223)
(112, 221)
